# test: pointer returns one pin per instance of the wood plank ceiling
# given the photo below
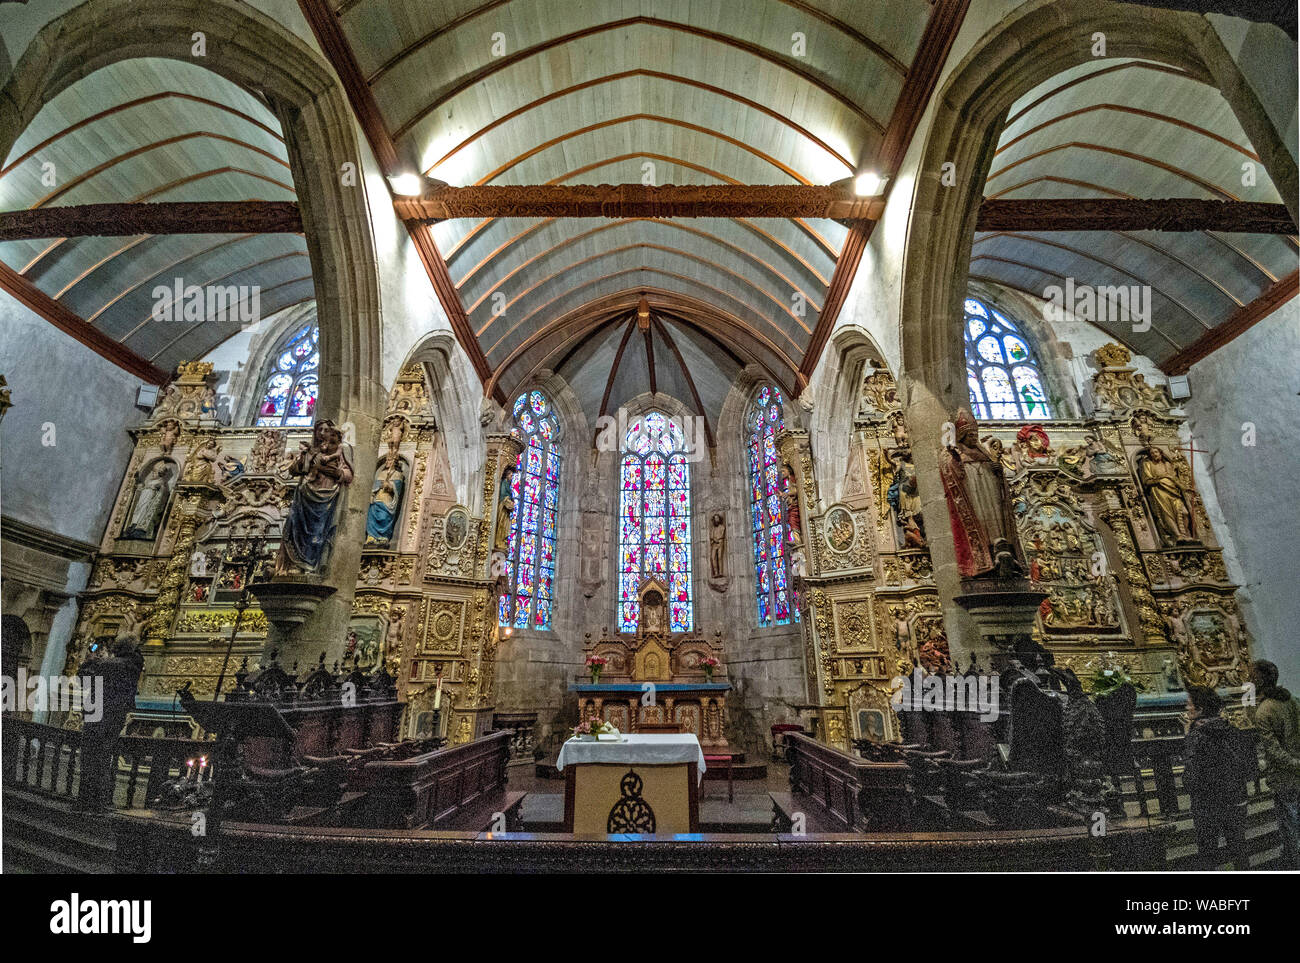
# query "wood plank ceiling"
(151, 130)
(1123, 128)
(682, 95)
(552, 92)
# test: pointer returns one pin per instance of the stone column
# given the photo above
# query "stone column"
(929, 417)
(325, 628)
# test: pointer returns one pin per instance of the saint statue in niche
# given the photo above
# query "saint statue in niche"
(979, 507)
(149, 502)
(1172, 505)
(385, 499)
(790, 502)
(505, 511)
(905, 499)
(324, 472)
(652, 613)
(717, 545)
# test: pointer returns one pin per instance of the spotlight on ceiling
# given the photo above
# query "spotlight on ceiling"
(408, 185)
(868, 184)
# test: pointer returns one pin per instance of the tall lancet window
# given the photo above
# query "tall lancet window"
(1002, 371)
(289, 397)
(655, 520)
(768, 525)
(535, 488)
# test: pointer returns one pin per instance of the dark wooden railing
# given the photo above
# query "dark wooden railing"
(47, 760)
(521, 726)
(41, 758)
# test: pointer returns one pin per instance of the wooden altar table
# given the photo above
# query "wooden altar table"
(641, 784)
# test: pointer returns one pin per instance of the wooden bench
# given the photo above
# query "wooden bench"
(837, 792)
(457, 788)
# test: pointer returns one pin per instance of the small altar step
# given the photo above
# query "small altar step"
(749, 813)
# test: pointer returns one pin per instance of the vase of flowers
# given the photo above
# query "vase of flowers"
(590, 730)
(709, 664)
(594, 664)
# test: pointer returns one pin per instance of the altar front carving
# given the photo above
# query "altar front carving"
(656, 677)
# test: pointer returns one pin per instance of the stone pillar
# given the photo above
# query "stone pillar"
(325, 629)
(929, 414)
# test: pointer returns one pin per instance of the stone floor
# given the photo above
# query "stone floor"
(750, 811)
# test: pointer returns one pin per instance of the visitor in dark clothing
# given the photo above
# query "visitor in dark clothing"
(1214, 777)
(1277, 719)
(116, 679)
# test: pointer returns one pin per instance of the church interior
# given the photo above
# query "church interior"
(524, 435)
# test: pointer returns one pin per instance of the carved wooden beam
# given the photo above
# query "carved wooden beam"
(1241, 320)
(70, 323)
(129, 220)
(1125, 214)
(637, 200)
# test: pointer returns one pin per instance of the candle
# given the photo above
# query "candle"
(190, 771)
(437, 695)
(203, 764)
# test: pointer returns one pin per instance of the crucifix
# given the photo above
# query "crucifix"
(1191, 451)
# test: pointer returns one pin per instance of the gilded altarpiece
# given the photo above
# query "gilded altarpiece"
(196, 494)
(194, 491)
(872, 605)
(429, 593)
(1112, 527)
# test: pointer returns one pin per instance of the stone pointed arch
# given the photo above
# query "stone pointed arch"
(246, 47)
(1038, 41)
(249, 48)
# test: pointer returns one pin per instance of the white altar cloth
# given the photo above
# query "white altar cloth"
(649, 749)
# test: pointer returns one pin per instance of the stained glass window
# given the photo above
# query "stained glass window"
(293, 384)
(769, 528)
(654, 513)
(1001, 370)
(535, 488)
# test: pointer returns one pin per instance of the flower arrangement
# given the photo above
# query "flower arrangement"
(708, 663)
(593, 729)
(594, 664)
(1108, 674)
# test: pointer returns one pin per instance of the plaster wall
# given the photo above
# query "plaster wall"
(64, 392)
(1255, 381)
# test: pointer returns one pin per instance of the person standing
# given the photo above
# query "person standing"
(1215, 779)
(116, 678)
(1277, 718)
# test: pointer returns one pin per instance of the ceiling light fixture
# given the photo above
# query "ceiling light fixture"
(868, 184)
(408, 185)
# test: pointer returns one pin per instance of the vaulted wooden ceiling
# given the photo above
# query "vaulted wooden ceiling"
(709, 99)
(1134, 129)
(148, 131)
(634, 92)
